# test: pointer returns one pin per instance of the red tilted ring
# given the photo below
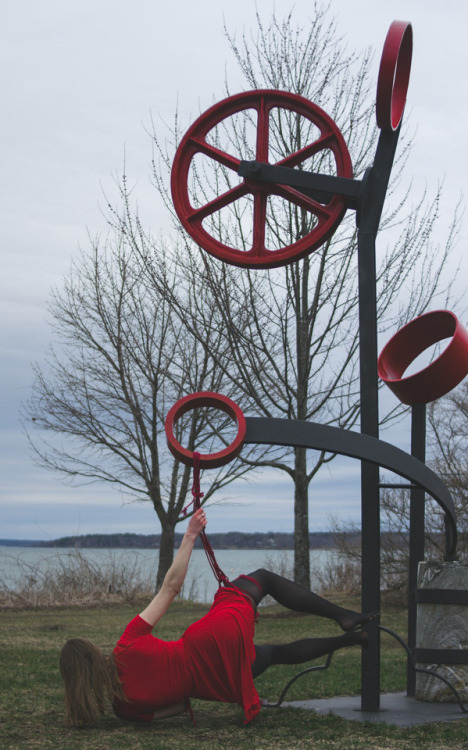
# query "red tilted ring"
(197, 400)
(394, 74)
(438, 378)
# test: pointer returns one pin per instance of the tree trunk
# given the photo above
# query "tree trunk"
(166, 552)
(301, 520)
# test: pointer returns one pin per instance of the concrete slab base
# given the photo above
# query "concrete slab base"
(395, 708)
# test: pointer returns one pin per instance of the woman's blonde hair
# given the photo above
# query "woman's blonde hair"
(89, 678)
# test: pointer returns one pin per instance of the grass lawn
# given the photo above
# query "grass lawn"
(31, 696)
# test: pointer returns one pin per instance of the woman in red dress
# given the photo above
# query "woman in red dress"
(147, 678)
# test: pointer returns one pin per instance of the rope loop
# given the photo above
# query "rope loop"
(197, 496)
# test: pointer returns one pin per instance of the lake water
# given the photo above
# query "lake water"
(18, 562)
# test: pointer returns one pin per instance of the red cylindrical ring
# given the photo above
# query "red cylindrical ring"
(438, 378)
(394, 73)
(194, 401)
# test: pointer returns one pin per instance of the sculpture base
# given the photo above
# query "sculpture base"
(442, 626)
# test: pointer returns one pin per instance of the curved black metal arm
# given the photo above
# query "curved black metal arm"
(423, 670)
(364, 447)
(317, 668)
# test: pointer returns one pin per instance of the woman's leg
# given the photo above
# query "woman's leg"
(304, 650)
(298, 598)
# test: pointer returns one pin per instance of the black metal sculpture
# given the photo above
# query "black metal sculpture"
(328, 197)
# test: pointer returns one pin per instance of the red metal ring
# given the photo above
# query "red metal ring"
(394, 73)
(438, 378)
(194, 401)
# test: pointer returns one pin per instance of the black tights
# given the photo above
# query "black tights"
(298, 598)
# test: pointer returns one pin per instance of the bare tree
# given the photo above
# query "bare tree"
(120, 360)
(292, 333)
(394, 542)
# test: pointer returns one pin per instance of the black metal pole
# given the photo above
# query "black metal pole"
(416, 535)
(370, 503)
(368, 215)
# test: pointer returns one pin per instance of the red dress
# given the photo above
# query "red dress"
(211, 661)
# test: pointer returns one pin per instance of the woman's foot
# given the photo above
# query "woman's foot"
(351, 620)
(356, 638)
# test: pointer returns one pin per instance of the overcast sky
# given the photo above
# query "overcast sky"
(81, 81)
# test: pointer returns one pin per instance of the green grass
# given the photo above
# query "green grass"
(31, 697)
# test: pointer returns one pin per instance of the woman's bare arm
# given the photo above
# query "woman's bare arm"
(175, 576)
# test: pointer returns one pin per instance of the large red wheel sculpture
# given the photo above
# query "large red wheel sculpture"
(438, 378)
(394, 74)
(195, 401)
(263, 102)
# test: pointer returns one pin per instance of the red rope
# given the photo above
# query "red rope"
(197, 496)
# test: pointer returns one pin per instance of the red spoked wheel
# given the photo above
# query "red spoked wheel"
(262, 103)
(195, 401)
(394, 73)
(438, 378)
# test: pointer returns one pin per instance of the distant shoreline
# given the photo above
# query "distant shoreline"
(229, 540)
